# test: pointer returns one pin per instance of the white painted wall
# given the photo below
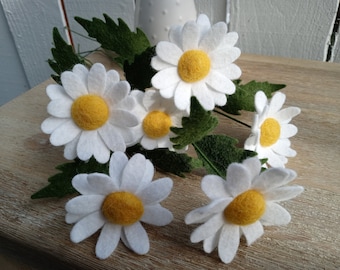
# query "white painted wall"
(290, 28)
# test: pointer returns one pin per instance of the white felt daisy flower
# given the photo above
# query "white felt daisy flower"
(197, 61)
(271, 129)
(90, 113)
(241, 205)
(117, 204)
(156, 115)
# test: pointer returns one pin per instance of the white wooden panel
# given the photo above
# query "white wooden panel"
(31, 23)
(214, 9)
(12, 76)
(290, 28)
(88, 9)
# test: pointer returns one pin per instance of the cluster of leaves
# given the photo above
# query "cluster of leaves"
(134, 53)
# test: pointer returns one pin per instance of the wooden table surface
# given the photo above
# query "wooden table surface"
(34, 231)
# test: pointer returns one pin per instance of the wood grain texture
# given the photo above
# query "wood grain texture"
(35, 229)
(298, 29)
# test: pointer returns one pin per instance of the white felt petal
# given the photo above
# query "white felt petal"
(210, 243)
(148, 175)
(253, 165)
(156, 191)
(168, 52)
(202, 214)
(119, 92)
(214, 37)
(202, 93)
(169, 91)
(229, 242)
(51, 123)
(282, 147)
(238, 179)
(87, 226)
(261, 101)
(276, 102)
(70, 150)
(149, 143)
(220, 83)
(250, 143)
(273, 178)
(84, 204)
(73, 84)
(112, 137)
(190, 36)
(230, 39)
(118, 162)
(158, 64)
(85, 145)
(214, 187)
(124, 118)
(252, 232)
(137, 238)
(80, 183)
(100, 151)
(97, 79)
(221, 57)
(275, 215)
(156, 215)
(283, 193)
(285, 115)
(131, 173)
(72, 218)
(56, 91)
(108, 240)
(182, 95)
(207, 229)
(81, 71)
(60, 108)
(165, 78)
(64, 133)
(102, 183)
(288, 131)
(219, 98)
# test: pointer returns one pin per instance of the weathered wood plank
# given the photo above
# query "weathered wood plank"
(36, 229)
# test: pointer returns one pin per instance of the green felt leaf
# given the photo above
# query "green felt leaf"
(116, 37)
(64, 57)
(195, 127)
(166, 160)
(61, 183)
(217, 152)
(140, 72)
(243, 98)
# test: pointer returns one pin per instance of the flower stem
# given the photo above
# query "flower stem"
(232, 118)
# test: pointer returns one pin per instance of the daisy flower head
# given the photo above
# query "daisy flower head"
(156, 115)
(117, 204)
(197, 61)
(90, 113)
(271, 129)
(241, 205)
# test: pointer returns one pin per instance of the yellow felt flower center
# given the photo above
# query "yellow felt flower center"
(123, 208)
(193, 65)
(246, 208)
(156, 124)
(270, 132)
(90, 112)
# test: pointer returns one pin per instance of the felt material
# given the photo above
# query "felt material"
(271, 129)
(122, 208)
(157, 124)
(239, 206)
(270, 132)
(246, 208)
(89, 112)
(184, 63)
(111, 203)
(193, 65)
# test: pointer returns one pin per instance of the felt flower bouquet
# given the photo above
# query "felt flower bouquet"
(116, 130)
